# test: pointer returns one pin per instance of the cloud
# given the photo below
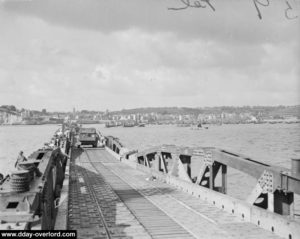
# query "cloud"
(94, 55)
(230, 22)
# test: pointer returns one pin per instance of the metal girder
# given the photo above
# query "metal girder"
(163, 164)
(202, 171)
(264, 185)
(273, 200)
(244, 164)
(147, 163)
(113, 140)
(282, 180)
(266, 182)
(178, 169)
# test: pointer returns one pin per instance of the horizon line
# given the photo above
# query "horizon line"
(155, 107)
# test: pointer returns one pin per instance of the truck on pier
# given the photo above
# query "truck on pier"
(88, 136)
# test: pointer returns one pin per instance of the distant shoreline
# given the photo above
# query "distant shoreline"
(175, 124)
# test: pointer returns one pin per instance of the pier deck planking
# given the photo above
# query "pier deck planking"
(108, 199)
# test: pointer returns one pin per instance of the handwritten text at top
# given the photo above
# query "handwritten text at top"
(289, 11)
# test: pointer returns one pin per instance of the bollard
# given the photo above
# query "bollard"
(295, 167)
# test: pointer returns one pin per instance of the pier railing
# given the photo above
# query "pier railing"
(270, 205)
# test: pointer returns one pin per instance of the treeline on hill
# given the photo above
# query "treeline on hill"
(255, 110)
(9, 107)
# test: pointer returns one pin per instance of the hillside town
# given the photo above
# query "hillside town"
(10, 115)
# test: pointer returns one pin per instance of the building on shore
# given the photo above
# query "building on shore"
(9, 117)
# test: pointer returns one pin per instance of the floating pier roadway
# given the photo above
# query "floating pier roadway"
(110, 191)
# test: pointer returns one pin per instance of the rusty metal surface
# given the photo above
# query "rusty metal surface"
(157, 209)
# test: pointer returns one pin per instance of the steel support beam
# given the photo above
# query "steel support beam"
(224, 178)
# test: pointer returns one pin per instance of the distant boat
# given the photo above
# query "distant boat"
(129, 124)
(110, 124)
(141, 125)
(198, 127)
(183, 125)
(88, 121)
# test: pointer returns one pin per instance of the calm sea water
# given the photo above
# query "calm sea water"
(27, 138)
(274, 144)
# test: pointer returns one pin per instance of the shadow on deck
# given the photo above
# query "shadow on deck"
(102, 204)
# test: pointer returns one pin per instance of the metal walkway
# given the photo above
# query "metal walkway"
(108, 199)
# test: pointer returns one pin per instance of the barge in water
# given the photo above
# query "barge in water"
(28, 200)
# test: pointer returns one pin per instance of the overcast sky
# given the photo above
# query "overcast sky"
(96, 54)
